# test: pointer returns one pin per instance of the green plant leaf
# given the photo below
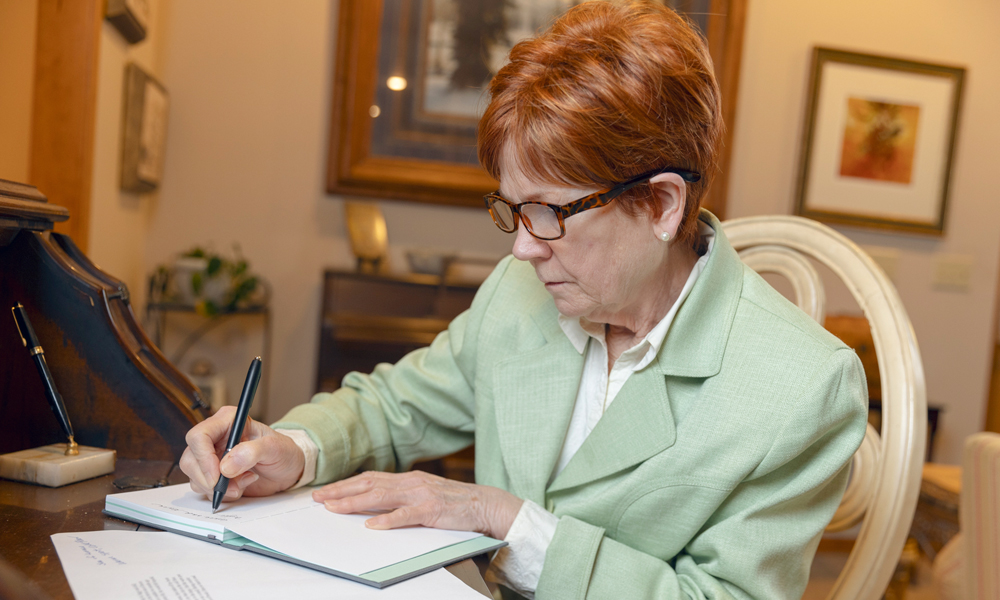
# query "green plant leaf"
(196, 283)
(214, 266)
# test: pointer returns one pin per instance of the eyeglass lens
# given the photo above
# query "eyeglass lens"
(541, 220)
(503, 215)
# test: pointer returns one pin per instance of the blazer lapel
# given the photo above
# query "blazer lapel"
(535, 394)
(696, 342)
(637, 425)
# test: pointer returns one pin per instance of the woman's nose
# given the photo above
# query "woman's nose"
(527, 246)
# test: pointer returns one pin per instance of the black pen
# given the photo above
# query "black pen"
(236, 432)
(30, 341)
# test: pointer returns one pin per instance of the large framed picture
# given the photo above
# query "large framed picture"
(410, 84)
(879, 141)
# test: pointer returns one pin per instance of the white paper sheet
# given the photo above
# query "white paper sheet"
(342, 542)
(129, 565)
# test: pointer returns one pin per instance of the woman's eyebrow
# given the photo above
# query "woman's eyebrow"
(533, 196)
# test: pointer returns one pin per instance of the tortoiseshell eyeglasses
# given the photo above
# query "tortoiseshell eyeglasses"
(547, 221)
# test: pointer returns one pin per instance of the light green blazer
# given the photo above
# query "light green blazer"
(711, 475)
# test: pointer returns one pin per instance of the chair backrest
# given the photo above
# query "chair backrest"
(979, 515)
(885, 473)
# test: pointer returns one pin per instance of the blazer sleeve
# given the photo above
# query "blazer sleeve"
(422, 407)
(760, 541)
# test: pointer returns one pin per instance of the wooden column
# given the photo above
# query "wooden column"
(725, 41)
(65, 106)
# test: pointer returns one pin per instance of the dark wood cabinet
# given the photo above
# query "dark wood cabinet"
(370, 319)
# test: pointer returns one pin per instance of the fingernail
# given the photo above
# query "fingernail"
(232, 493)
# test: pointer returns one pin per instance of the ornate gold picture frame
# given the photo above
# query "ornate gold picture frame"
(409, 80)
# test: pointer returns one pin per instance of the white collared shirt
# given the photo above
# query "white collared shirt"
(519, 564)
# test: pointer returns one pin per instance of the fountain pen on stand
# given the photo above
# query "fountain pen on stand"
(30, 341)
(236, 431)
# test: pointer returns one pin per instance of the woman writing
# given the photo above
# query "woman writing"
(651, 419)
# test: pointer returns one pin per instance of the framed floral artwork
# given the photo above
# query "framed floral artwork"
(879, 141)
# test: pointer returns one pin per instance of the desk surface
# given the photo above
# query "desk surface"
(29, 514)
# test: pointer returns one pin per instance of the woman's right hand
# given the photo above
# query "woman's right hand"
(263, 463)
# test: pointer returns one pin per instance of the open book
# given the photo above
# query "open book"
(292, 527)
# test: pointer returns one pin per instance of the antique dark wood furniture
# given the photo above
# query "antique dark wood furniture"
(120, 391)
(368, 319)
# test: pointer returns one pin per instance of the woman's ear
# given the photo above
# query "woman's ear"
(671, 194)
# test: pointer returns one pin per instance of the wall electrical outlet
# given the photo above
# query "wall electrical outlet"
(952, 272)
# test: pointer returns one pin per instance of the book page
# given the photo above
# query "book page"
(178, 507)
(342, 542)
(130, 565)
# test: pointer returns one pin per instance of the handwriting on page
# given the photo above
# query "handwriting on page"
(95, 553)
(204, 515)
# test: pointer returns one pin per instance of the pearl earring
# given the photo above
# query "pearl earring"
(665, 236)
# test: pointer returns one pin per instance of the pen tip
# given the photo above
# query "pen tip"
(214, 509)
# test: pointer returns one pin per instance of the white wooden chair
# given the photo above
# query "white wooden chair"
(886, 470)
(968, 567)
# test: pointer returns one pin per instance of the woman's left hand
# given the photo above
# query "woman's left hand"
(418, 498)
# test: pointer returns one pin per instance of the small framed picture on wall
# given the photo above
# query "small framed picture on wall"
(145, 131)
(879, 141)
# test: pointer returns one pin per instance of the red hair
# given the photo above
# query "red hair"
(609, 91)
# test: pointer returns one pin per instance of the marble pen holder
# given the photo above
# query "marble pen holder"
(52, 467)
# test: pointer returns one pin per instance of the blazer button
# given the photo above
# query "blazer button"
(550, 505)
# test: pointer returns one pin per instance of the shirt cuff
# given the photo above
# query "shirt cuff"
(309, 449)
(518, 565)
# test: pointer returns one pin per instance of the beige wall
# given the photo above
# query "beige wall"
(246, 148)
(18, 19)
(250, 86)
(954, 329)
(119, 220)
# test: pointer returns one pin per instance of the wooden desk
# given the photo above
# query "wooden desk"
(29, 514)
